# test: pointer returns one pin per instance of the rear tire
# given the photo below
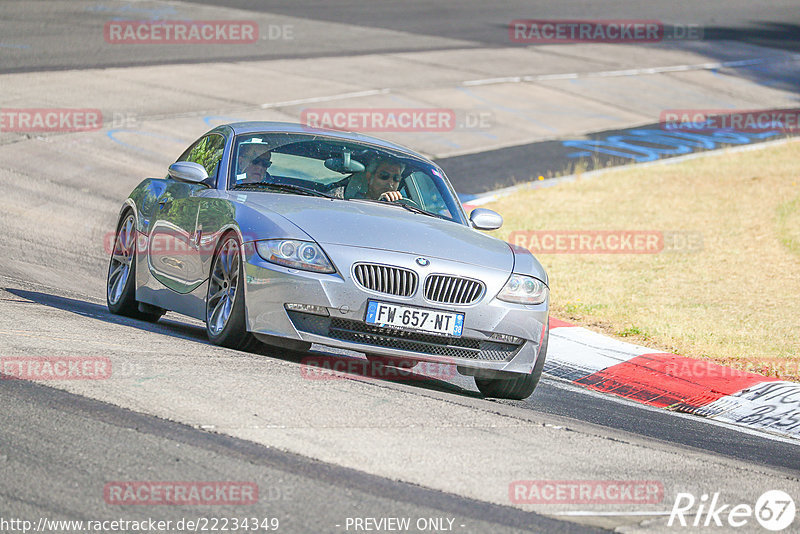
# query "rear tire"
(516, 388)
(226, 323)
(121, 279)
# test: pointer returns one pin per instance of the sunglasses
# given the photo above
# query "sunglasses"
(386, 176)
(263, 162)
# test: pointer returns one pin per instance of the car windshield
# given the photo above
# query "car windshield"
(306, 164)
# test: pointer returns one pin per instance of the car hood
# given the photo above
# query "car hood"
(386, 227)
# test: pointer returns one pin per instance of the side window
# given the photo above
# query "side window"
(208, 153)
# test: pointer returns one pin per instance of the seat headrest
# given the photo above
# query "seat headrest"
(357, 186)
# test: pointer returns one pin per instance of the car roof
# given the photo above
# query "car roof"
(252, 127)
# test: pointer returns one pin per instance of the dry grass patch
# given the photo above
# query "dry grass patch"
(735, 301)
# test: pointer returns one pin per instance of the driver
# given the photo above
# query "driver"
(383, 178)
(254, 162)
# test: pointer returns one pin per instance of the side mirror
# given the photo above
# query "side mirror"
(484, 219)
(186, 171)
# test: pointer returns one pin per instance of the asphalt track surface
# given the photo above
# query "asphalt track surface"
(549, 159)
(69, 441)
(58, 448)
(553, 396)
(44, 35)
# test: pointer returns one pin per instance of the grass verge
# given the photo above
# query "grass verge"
(726, 285)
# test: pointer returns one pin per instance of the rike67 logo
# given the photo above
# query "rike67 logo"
(774, 510)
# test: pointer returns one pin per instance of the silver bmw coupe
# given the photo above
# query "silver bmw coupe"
(281, 234)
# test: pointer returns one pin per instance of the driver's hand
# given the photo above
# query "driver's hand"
(390, 196)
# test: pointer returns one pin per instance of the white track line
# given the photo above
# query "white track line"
(312, 100)
(545, 77)
(631, 72)
(587, 513)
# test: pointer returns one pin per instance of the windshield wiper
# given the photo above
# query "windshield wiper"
(402, 205)
(418, 210)
(287, 187)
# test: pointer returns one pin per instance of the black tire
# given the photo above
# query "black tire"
(232, 332)
(516, 388)
(121, 294)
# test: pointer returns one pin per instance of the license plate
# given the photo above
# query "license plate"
(413, 318)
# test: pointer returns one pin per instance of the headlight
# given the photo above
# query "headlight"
(304, 255)
(524, 290)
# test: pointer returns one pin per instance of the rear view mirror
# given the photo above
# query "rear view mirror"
(186, 171)
(345, 164)
(484, 219)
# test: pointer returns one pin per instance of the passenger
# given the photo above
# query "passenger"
(253, 163)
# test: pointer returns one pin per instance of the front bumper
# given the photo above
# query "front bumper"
(269, 287)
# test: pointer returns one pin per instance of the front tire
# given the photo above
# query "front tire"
(225, 306)
(516, 388)
(121, 279)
